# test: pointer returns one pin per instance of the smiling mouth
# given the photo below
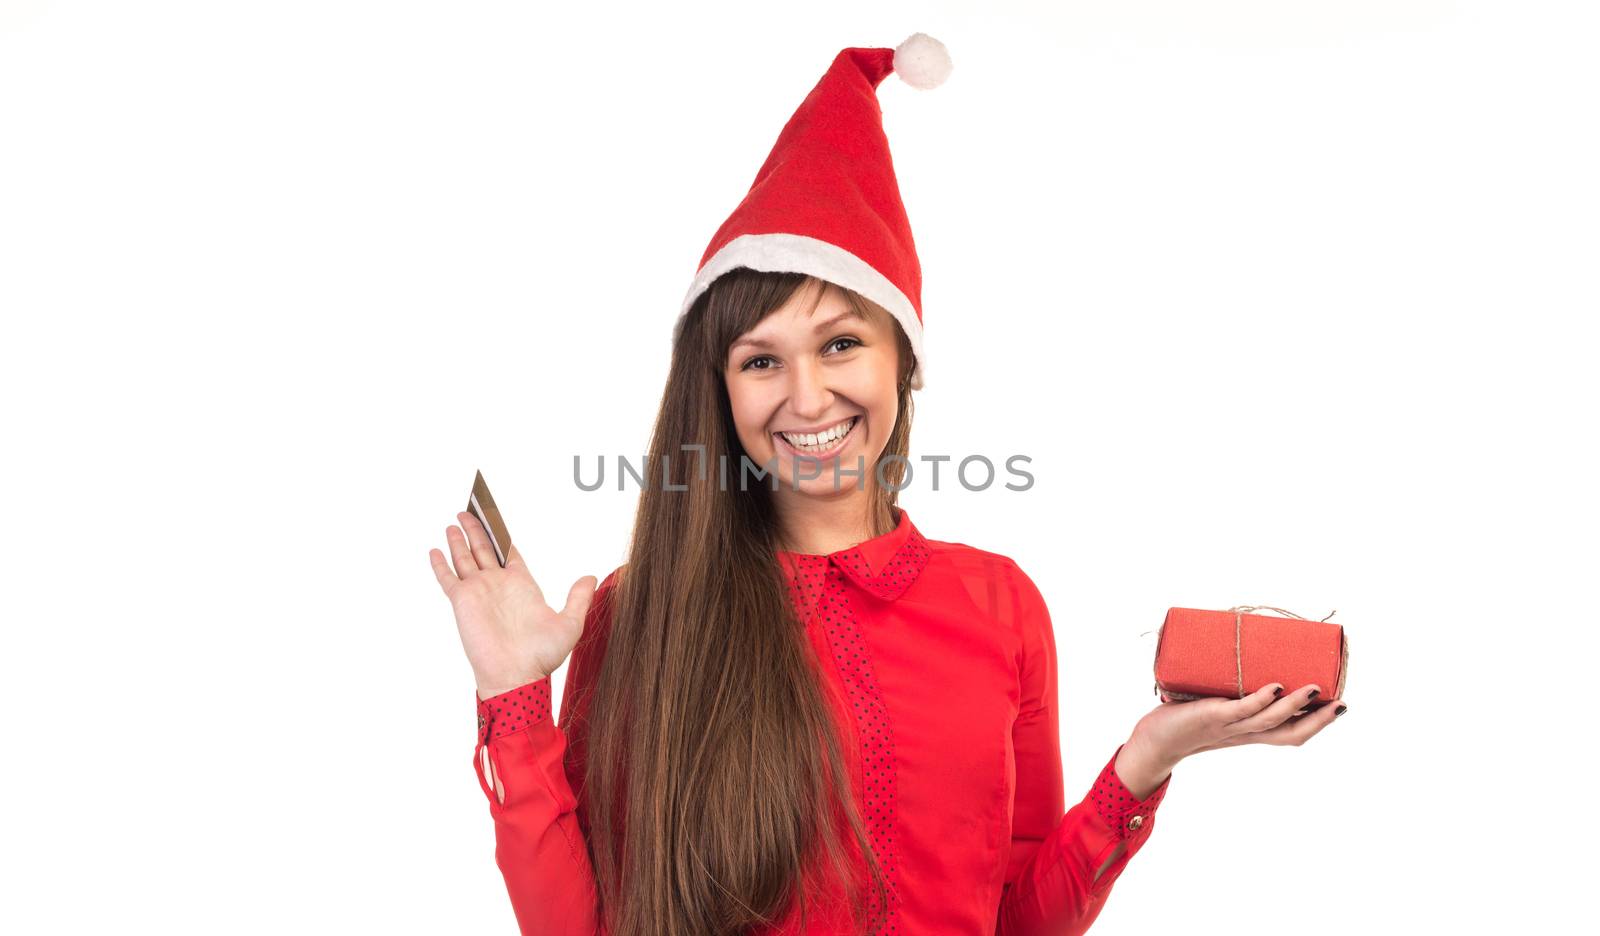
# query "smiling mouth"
(819, 444)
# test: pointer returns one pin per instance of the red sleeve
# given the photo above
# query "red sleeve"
(1051, 886)
(540, 828)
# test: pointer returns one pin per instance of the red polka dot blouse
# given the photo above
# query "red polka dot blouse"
(940, 660)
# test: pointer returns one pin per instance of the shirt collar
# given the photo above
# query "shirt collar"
(885, 566)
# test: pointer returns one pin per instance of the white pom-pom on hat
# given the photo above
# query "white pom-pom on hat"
(922, 61)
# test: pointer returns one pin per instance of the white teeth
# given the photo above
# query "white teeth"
(820, 440)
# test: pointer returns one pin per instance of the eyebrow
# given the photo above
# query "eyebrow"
(851, 312)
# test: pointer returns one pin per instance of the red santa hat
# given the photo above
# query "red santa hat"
(826, 201)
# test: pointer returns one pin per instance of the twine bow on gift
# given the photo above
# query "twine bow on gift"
(1238, 612)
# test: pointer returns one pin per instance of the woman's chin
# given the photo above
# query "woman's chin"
(821, 489)
(837, 473)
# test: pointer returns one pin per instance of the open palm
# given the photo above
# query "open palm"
(510, 633)
(1175, 730)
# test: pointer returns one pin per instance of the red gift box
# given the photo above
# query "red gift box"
(1232, 653)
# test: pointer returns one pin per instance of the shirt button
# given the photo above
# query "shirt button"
(1135, 823)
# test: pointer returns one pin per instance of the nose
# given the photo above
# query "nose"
(809, 393)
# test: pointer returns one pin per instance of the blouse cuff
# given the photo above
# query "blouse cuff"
(1132, 818)
(509, 712)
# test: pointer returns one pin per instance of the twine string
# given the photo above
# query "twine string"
(1238, 634)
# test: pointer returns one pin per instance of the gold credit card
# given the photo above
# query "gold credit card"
(481, 505)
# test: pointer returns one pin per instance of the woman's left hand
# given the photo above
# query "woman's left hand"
(1174, 730)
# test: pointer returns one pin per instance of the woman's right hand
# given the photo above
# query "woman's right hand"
(512, 637)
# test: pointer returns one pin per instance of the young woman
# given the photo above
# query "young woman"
(789, 711)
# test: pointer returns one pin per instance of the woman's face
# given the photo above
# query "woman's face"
(814, 390)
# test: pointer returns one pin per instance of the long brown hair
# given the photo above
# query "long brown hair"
(707, 791)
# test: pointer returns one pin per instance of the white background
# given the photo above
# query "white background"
(1289, 302)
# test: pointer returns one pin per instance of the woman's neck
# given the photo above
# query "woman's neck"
(817, 527)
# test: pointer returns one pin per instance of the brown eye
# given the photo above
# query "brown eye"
(751, 363)
(848, 342)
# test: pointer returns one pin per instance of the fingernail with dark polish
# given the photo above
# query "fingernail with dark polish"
(1339, 711)
(1313, 696)
(1278, 691)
